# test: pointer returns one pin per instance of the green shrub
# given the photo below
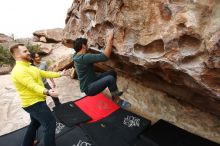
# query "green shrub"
(5, 57)
(33, 48)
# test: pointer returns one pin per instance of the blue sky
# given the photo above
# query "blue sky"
(23, 17)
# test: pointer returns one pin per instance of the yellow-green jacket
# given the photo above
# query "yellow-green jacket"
(28, 82)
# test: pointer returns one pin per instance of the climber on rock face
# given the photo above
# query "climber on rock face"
(93, 83)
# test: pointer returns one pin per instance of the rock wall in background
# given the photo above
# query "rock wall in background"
(174, 44)
(48, 35)
(171, 46)
(4, 38)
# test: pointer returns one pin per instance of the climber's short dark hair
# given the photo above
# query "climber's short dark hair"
(77, 44)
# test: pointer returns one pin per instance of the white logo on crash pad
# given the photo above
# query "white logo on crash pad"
(82, 143)
(59, 127)
(131, 121)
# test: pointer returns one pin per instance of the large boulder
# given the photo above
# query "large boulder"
(60, 58)
(49, 35)
(4, 38)
(172, 46)
(44, 48)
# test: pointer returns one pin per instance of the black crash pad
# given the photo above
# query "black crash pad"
(167, 134)
(15, 138)
(70, 115)
(121, 128)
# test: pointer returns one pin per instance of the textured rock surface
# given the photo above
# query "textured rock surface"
(162, 45)
(44, 48)
(60, 57)
(4, 38)
(49, 35)
(173, 45)
(155, 105)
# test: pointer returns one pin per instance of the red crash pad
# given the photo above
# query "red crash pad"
(97, 107)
